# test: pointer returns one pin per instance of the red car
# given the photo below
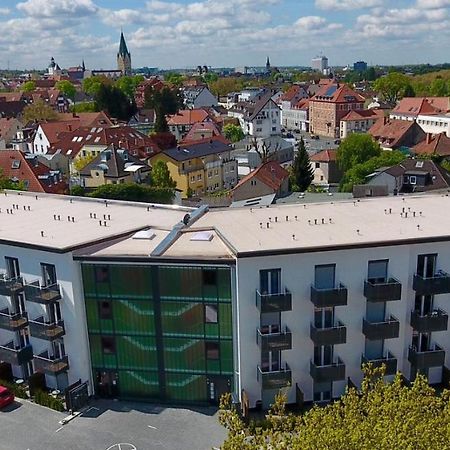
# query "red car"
(6, 397)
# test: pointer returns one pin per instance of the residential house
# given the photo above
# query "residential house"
(139, 95)
(330, 105)
(200, 131)
(411, 175)
(114, 166)
(198, 97)
(9, 127)
(393, 134)
(326, 169)
(433, 145)
(143, 121)
(260, 117)
(35, 176)
(268, 179)
(181, 122)
(359, 121)
(434, 123)
(296, 117)
(201, 167)
(410, 108)
(289, 103)
(12, 109)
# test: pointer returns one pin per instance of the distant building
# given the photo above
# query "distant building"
(359, 121)
(326, 169)
(198, 97)
(320, 63)
(53, 68)
(124, 57)
(360, 66)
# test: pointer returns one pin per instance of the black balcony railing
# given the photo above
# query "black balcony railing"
(278, 302)
(327, 372)
(47, 331)
(336, 334)
(16, 355)
(51, 366)
(383, 291)
(437, 320)
(269, 342)
(44, 295)
(12, 322)
(437, 284)
(389, 361)
(10, 286)
(434, 357)
(275, 379)
(388, 329)
(323, 298)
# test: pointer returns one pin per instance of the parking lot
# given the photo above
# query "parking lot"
(314, 145)
(110, 425)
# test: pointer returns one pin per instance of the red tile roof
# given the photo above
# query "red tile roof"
(270, 173)
(413, 106)
(363, 114)
(325, 156)
(337, 93)
(389, 132)
(53, 129)
(438, 145)
(89, 119)
(38, 177)
(188, 117)
(291, 93)
(209, 129)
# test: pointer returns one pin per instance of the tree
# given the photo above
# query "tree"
(233, 132)
(83, 161)
(392, 86)
(359, 172)
(356, 149)
(264, 150)
(115, 102)
(174, 78)
(161, 125)
(133, 192)
(166, 100)
(67, 88)
(210, 77)
(439, 88)
(128, 85)
(84, 107)
(302, 173)
(28, 86)
(161, 176)
(91, 85)
(381, 415)
(39, 111)
(224, 86)
(6, 183)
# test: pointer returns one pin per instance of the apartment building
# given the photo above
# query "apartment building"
(174, 304)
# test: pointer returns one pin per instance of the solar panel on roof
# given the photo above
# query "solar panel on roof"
(330, 91)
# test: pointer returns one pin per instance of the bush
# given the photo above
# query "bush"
(134, 193)
(44, 399)
(17, 389)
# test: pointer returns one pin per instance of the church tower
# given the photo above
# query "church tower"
(124, 57)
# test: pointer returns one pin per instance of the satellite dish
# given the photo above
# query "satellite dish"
(186, 219)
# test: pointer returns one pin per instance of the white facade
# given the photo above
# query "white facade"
(434, 124)
(362, 125)
(41, 144)
(320, 63)
(294, 118)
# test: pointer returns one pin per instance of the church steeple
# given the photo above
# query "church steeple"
(123, 49)
(124, 57)
(268, 65)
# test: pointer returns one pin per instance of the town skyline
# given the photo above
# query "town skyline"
(183, 34)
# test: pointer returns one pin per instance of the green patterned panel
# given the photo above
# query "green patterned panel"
(109, 361)
(184, 355)
(211, 330)
(182, 318)
(96, 351)
(134, 317)
(135, 352)
(226, 356)
(138, 384)
(225, 321)
(186, 387)
(88, 280)
(92, 315)
(180, 282)
(224, 284)
(213, 366)
(131, 281)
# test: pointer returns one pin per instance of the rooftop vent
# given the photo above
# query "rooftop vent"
(144, 234)
(204, 236)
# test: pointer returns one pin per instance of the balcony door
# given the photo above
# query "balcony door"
(323, 318)
(48, 274)
(12, 267)
(323, 355)
(377, 271)
(421, 341)
(423, 304)
(270, 361)
(426, 265)
(324, 276)
(270, 281)
(376, 312)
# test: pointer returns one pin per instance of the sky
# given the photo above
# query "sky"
(222, 33)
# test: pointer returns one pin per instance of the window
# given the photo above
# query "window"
(412, 179)
(102, 274)
(377, 271)
(199, 177)
(212, 350)
(274, 128)
(209, 277)
(12, 267)
(317, 165)
(211, 313)
(48, 274)
(105, 309)
(324, 276)
(108, 345)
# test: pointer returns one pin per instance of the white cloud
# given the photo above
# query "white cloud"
(5, 11)
(347, 4)
(433, 3)
(55, 8)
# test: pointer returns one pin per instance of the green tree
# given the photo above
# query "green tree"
(381, 415)
(28, 86)
(161, 125)
(83, 161)
(84, 107)
(392, 86)
(370, 74)
(359, 172)
(161, 176)
(6, 183)
(39, 111)
(166, 100)
(224, 86)
(302, 173)
(439, 88)
(233, 132)
(115, 102)
(128, 85)
(91, 85)
(210, 77)
(356, 149)
(133, 192)
(67, 88)
(174, 78)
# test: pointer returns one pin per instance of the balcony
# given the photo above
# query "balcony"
(12, 322)
(389, 361)
(385, 291)
(327, 372)
(437, 320)
(323, 298)
(434, 357)
(328, 336)
(44, 295)
(51, 366)
(15, 355)
(10, 286)
(437, 284)
(47, 331)
(269, 342)
(375, 331)
(268, 303)
(276, 379)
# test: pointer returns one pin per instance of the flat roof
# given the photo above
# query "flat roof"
(62, 223)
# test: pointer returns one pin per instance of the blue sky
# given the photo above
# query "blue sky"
(186, 33)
